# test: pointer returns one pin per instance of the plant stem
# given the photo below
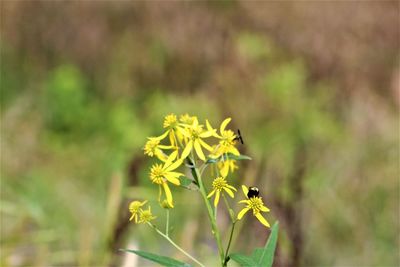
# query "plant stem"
(229, 244)
(232, 216)
(214, 227)
(167, 223)
(174, 244)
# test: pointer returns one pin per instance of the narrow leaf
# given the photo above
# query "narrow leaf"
(162, 260)
(228, 156)
(265, 256)
(243, 260)
(188, 183)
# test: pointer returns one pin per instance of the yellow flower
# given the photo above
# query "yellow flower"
(160, 174)
(254, 203)
(174, 130)
(220, 184)
(227, 141)
(153, 148)
(146, 216)
(187, 119)
(135, 207)
(227, 165)
(194, 134)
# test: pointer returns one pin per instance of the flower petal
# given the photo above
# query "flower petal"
(211, 193)
(234, 151)
(231, 187)
(262, 220)
(245, 190)
(245, 201)
(172, 137)
(173, 180)
(216, 199)
(230, 193)
(174, 165)
(168, 194)
(171, 158)
(199, 152)
(223, 125)
(224, 170)
(242, 213)
(161, 137)
(264, 208)
(187, 150)
(205, 145)
(206, 134)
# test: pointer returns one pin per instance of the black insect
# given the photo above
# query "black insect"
(239, 137)
(253, 192)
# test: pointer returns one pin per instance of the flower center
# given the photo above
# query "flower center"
(146, 216)
(186, 119)
(135, 206)
(255, 203)
(150, 147)
(228, 138)
(219, 183)
(196, 131)
(157, 174)
(170, 121)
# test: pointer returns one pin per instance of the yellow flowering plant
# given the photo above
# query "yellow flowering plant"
(191, 148)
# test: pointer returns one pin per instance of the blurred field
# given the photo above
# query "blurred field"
(313, 86)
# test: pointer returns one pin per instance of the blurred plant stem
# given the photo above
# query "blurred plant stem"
(211, 213)
(232, 216)
(174, 244)
(167, 223)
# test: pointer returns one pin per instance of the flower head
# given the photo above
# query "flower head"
(195, 133)
(146, 216)
(227, 141)
(187, 119)
(254, 203)
(153, 148)
(161, 174)
(219, 185)
(174, 130)
(135, 207)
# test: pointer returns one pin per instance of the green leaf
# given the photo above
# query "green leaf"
(228, 156)
(188, 183)
(162, 260)
(265, 256)
(243, 260)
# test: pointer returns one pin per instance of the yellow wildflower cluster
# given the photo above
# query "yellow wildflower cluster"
(138, 214)
(186, 137)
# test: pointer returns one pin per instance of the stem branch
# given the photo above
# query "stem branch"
(174, 244)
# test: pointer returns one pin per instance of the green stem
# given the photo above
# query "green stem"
(167, 223)
(232, 215)
(174, 244)
(229, 244)
(210, 215)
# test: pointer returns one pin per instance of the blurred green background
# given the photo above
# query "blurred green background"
(313, 87)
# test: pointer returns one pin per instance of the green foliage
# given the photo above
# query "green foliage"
(65, 98)
(162, 260)
(261, 257)
(228, 156)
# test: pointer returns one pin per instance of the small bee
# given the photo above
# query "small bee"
(239, 137)
(253, 192)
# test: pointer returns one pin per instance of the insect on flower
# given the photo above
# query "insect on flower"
(255, 203)
(239, 137)
(253, 192)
